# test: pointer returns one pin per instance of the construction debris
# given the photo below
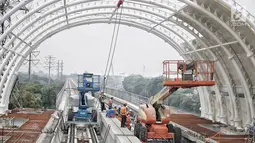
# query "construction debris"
(23, 125)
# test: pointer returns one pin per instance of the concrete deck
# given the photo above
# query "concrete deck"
(191, 125)
(116, 133)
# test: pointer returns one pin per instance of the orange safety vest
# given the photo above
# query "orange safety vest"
(123, 111)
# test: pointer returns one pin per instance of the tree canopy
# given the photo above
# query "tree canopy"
(35, 94)
(143, 86)
(182, 98)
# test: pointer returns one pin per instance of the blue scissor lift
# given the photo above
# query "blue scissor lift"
(87, 82)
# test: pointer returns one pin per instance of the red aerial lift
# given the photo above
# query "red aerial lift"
(152, 121)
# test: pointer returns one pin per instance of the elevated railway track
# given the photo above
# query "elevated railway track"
(191, 125)
(79, 133)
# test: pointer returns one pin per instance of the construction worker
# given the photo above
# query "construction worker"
(120, 2)
(119, 109)
(101, 100)
(132, 115)
(128, 120)
(116, 110)
(110, 103)
(94, 116)
(123, 113)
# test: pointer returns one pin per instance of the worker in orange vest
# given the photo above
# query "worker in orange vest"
(128, 120)
(123, 113)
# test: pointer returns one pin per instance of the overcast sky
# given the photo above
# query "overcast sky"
(86, 48)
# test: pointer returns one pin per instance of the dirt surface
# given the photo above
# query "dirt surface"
(192, 122)
(30, 130)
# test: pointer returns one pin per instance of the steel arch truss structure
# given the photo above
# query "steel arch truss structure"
(197, 29)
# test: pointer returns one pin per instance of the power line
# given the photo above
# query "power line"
(112, 69)
(115, 44)
(110, 51)
(114, 40)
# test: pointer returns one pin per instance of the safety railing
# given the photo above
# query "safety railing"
(96, 81)
(188, 70)
(135, 99)
(131, 97)
(60, 95)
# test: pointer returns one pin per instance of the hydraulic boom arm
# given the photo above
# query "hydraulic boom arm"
(162, 95)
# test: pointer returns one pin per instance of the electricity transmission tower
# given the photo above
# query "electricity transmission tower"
(50, 63)
(143, 70)
(61, 69)
(58, 69)
(31, 60)
(60, 66)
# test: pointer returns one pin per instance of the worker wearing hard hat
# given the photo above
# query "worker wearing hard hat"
(120, 2)
(123, 113)
(110, 103)
(118, 107)
(101, 100)
(128, 120)
(116, 111)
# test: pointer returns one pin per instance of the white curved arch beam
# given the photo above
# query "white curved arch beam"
(218, 66)
(236, 67)
(9, 55)
(19, 62)
(250, 55)
(50, 12)
(248, 91)
(39, 27)
(178, 36)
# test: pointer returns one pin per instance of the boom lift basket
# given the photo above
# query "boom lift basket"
(88, 82)
(187, 74)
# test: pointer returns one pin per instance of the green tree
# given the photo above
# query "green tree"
(186, 103)
(182, 98)
(35, 94)
(48, 96)
(143, 86)
(155, 85)
(130, 82)
(31, 100)
(175, 100)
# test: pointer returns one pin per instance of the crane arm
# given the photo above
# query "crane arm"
(162, 95)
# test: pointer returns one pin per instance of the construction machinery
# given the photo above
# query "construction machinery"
(87, 85)
(153, 120)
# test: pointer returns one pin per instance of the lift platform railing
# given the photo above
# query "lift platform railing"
(186, 74)
(88, 82)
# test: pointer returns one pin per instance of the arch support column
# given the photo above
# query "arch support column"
(204, 107)
(222, 117)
